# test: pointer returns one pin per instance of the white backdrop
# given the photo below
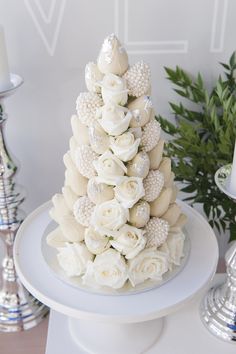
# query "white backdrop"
(49, 43)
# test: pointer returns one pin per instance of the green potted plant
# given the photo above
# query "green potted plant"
(202, 140)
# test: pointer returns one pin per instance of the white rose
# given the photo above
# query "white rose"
(73, 258)
(108, 269)
(129, 191)
(174, 246)
(114, 89)
(129, 241)
(92, 77)
(125, 146)
(109, 168)
(148, 264)
(114, 119)
(108, 217)
(95, 242)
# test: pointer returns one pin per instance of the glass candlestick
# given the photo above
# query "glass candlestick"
(19, 310)
(218, 308)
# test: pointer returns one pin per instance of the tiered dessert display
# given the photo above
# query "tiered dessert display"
(118, 220)
(119, 226)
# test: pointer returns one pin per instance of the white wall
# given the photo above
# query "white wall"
(50, 41)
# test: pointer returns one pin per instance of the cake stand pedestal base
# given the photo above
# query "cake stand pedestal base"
(107, 338)
(183, 333)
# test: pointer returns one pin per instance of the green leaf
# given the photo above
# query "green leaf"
(200, 80)
(189, 189)
(202, 140)
(232, 232)
(178, 109)
(207, 209)
(181, 93)
(232, 60)
(171, 74)
(167, 126)
(227, 67)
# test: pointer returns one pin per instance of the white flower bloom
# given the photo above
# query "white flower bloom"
(108, 269)
(174, 246)
(95, 242)
(125, 146)
(129, 191)
(114, 89)
(108, 217)
(113, 119)
(148, 264)
(73, 258)
(109, 168)
(129, 241)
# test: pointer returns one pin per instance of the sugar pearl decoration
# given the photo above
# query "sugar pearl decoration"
(98, 138)
(139, 166)
(156, 232)
(151, 135)
(83, 209)
(153, 185)
(112, 57)
(84, 157)
(92, 77)
(99, 192)
(86, 106)
(139, 214)
(141, 111)
(138, 79)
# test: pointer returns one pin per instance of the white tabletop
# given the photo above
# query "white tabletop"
(183, 333)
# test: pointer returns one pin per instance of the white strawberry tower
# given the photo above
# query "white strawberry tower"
(118, 222)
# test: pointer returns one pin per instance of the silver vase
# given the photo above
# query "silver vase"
(19, 310)
(218, 308)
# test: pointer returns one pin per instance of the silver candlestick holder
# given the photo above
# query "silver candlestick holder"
(19, 310)
(218, 308)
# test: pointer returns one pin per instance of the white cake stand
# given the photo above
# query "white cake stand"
(102, 324)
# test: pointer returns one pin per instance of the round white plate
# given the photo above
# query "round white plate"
(50, 257)
(71, 301)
